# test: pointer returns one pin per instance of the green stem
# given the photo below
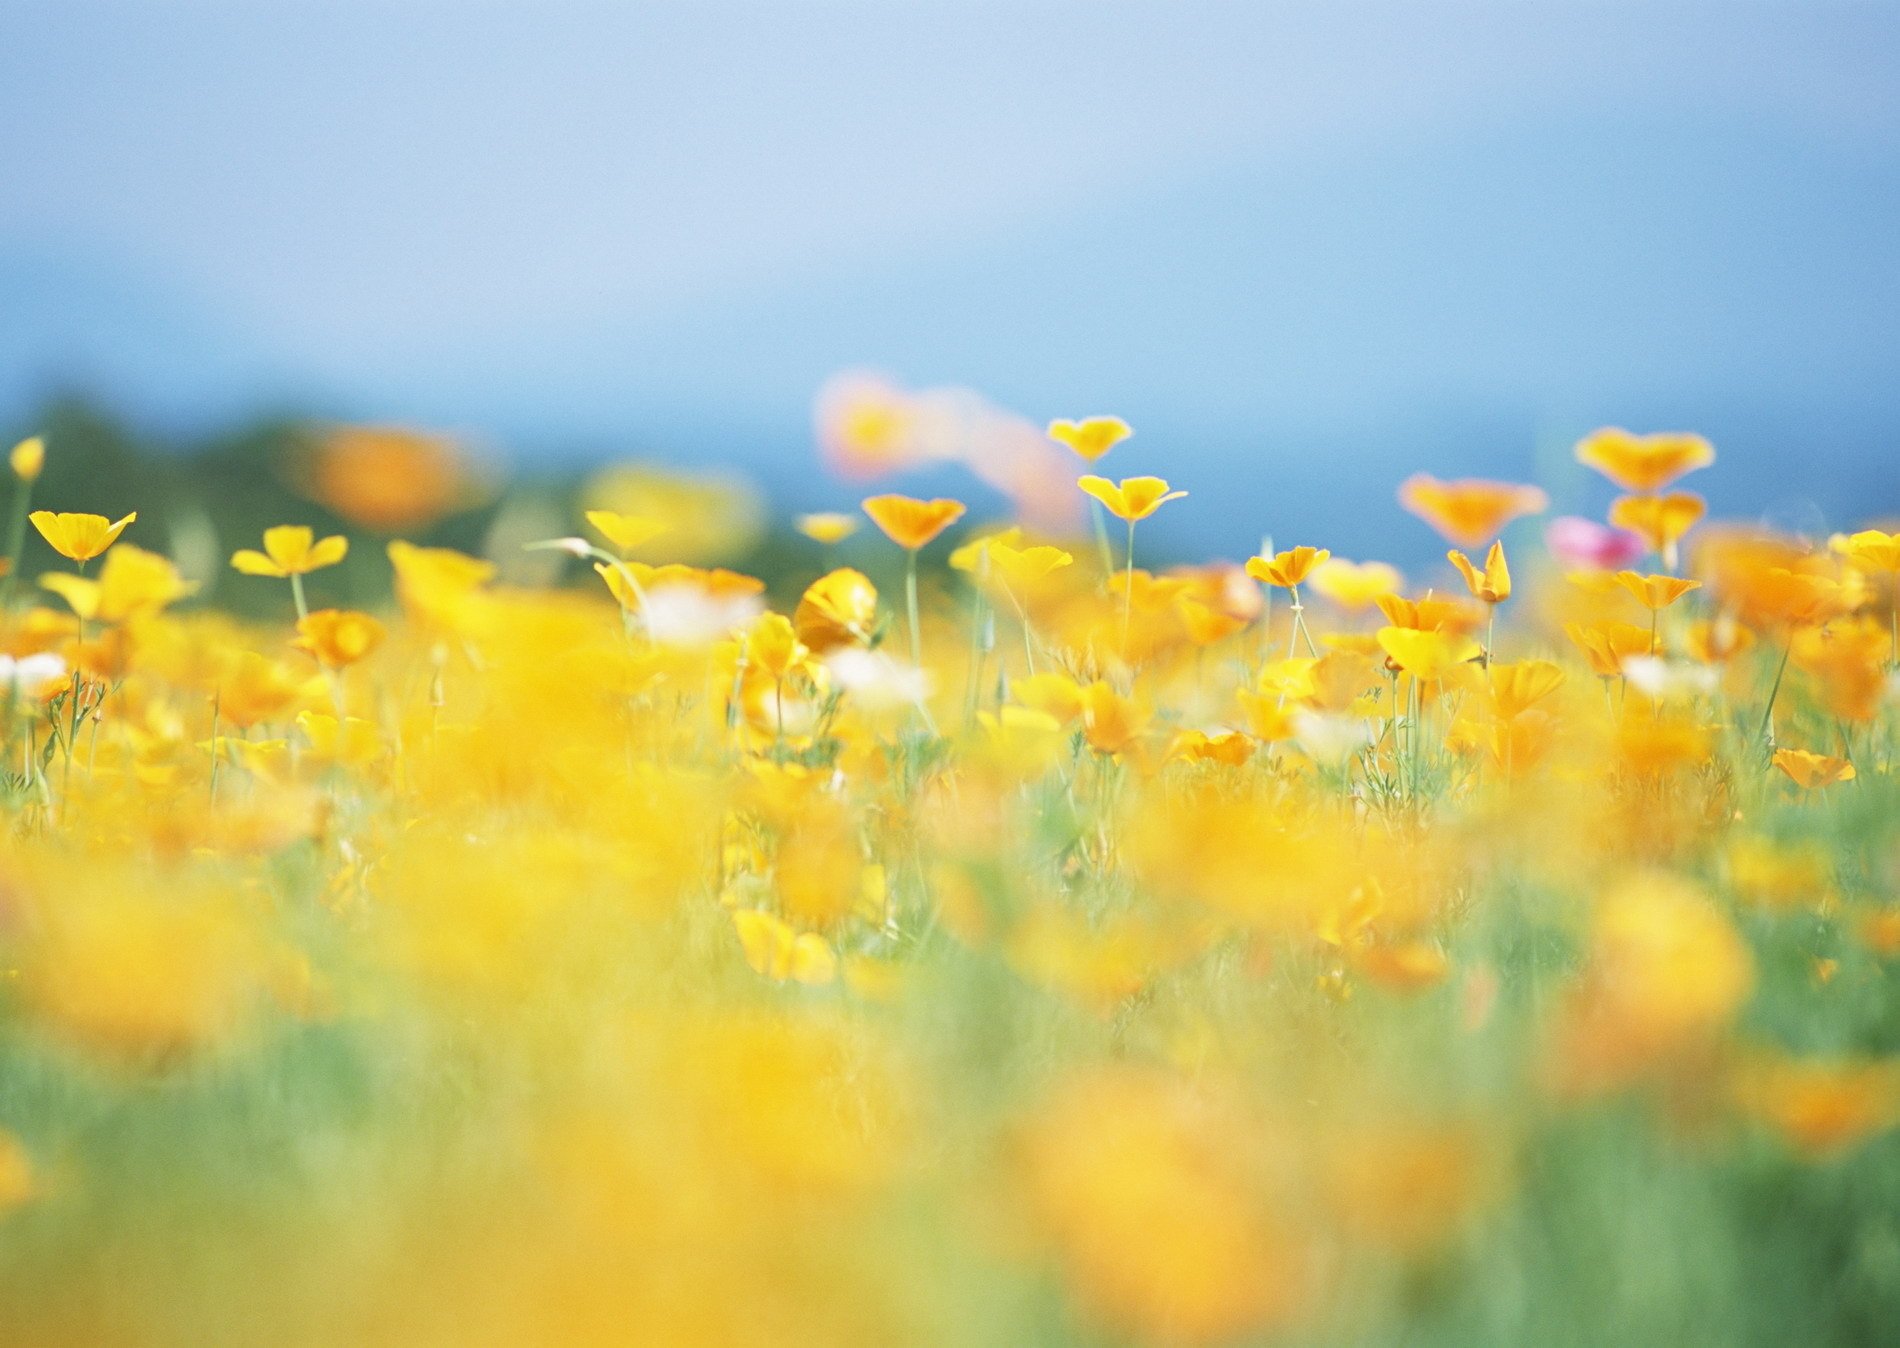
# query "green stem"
(1768, 712)
(910, 606)
(296, 594)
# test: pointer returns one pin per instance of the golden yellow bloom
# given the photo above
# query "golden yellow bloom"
(1090, 438)
(838, 609)
(1427, 656)
(1112, 721)
(439, 585)
(349, 742)
(1811, 770)
(291, 550)
(1660, 521)
(625, 532)
(774, 647)
(1643, 463)
(79, 537)
(19, 1184)
(338, 638)
(1055, 695)
(1135, 498)
(1517, 687)
(1021, 568)
(827, 527)
(1656, 592)
(1355, 585)
(1871, 550)
(1608, 644)
(775, 950)
(131, 584)
(909, 522)
(1286, 569)
(28, 458)
(1493, 584)
(1470, 512)
(1428, 615)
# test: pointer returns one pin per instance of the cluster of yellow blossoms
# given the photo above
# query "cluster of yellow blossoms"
(1066, 949)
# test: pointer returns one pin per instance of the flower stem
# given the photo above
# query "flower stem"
(910, 606)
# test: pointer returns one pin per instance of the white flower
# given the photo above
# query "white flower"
(32, 675)
(876, 681)
(1656, 677)
(1330, 738)
(684, 614)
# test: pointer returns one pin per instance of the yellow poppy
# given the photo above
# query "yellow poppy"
(1493, 584)
(909, 522)
(291, 550)
(1090, 438)
(77, 536)
(1135, 498)
(1643, 463)
(1470, 512)
(1286, 569)
(827, 527)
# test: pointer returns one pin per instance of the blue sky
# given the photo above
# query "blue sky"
(613, 226)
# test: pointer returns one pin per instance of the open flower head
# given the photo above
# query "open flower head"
(625, 532)
(79, 537)
(1134, 498)
(28, 458)
(1471, 512)
(1091, 437)
(1660, 521)
(1287, 569)
(827, 526)
(909, 522)
(1644, 463)
(291, 550)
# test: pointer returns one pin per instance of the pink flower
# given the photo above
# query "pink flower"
(1585, 545)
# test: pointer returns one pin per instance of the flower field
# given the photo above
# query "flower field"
(989, 935)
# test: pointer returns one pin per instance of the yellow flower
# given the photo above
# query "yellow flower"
(79, 537)
(131, 584)
(1426, 656)
(1111, 722)
(625, 532)
(1135, 498)
(1643, 463)
(1355, 585)
(338, 638)
(1021, 568)
(1656, 592)
(774, 647)
(911, 523)
(28, 458)
(1810, 770)
(1871, 550)
(1660, 521)
(1470, 512)
(291, 550)
(1607, 644)
(349, 742)
(775, 950)
(1286, 569)
(439, 585)
(838, 609)
(1090, 438)
(1493, 585)
(827, 527)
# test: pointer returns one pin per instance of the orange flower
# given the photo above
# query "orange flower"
(1608, 644)
(338, 638)
(1092, 437)
(1825, 1109)
(1428, 615)
(1135, 498)
(1110, 721)
(1471, 512)
(1871, 550)
(79, 537)
(911, 523)
(1493, 586)
(1809, 770)
(1286, 569)
(1643, 463)
(1656, 592)
(388, 478)
(1659, 521)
